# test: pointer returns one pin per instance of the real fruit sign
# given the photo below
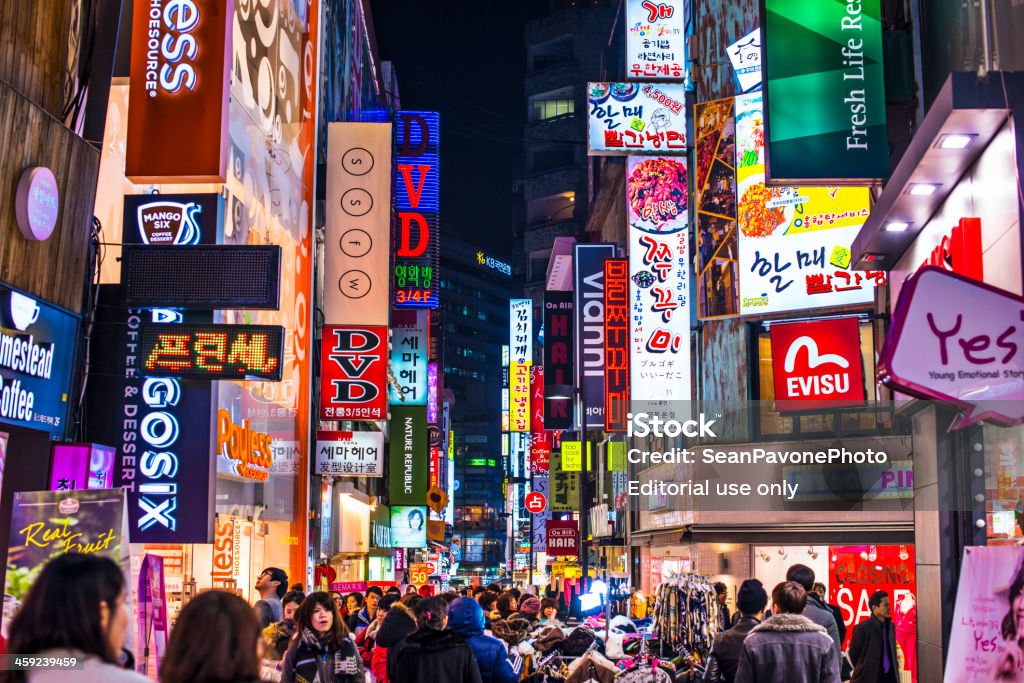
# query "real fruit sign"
(817, 364)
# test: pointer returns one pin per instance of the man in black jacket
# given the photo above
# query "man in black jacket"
(819, 588)
(725, 654)
(873, 645)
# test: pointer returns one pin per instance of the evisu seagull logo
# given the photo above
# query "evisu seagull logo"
(169, 223)
(814, 360)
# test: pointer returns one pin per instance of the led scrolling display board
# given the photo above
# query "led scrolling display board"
(209, 352)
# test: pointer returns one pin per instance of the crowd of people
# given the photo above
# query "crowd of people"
(390, 637)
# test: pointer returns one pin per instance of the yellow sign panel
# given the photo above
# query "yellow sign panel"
(519, 397)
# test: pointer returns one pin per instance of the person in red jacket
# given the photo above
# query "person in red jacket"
(398, 625)
(366, 639)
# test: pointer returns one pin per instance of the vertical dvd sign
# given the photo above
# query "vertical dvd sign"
(616, 344)
(417, 201)
(590, 315)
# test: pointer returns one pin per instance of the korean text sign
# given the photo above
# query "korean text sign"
(358, 222)
(350, 454)
(958, 340)
(659, 265)
(519, 397)
(180, 77)
(833, 50)
(409, 347)
(817, 364)
(794, 242)
(417, 201)
(520, 330)
(616, 344)
(353, 373)
(636, 118)
(656, 39)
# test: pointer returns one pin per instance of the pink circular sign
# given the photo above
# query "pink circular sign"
(37, 203)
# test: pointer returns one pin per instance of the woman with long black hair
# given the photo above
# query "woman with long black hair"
(76, 608)
(322, 651)
(217, 638)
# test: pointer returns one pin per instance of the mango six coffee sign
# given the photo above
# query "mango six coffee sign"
(656, 39)
(817, 364)
(636, 118)
(559, 347)
(589, 293)
(616, 344)
(794, 242)
(958, 340)
(408, 459)
(417, 201)
(358, 221)
(659, 267)
(350, 454)
(353, 373)
(37, 349)
(563, 538)
(833, 50)
(180, 77)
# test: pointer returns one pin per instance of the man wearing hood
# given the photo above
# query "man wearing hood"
(466, 618)
(398, 625)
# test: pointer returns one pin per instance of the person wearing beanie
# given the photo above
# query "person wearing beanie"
(728, 646)
(398, 624)
(466, 618)
(529, 610)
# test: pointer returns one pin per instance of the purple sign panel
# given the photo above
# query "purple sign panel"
(81, 466)
(589, 295)
(958, 340)
(432, 393)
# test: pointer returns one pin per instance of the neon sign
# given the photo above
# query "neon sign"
(483, 259)
(171, 45)
(616, 344)
(245, 452)
(200, 351)
(417, 200)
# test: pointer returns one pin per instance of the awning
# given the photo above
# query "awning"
(824, 533)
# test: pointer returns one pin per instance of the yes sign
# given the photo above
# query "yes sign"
(817, 365)
(958, 340)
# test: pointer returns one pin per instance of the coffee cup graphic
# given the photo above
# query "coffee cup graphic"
(24, 310)
(163, 222)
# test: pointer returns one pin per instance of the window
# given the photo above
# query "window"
(549, 109)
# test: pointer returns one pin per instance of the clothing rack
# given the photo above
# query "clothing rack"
(686, 614)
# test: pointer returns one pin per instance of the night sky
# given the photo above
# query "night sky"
(465, 60)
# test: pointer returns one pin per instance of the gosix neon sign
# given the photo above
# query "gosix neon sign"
(171, 46)
(417, 201)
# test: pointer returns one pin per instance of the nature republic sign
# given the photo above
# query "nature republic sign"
(825, 91)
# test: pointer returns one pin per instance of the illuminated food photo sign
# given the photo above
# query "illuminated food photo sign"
(196, 351)
(636, 118)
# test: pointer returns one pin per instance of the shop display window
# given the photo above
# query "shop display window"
(1004, 484)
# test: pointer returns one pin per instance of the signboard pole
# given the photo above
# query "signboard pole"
(584, 475)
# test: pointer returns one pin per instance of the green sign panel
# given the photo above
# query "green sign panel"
(825, 92)
(409, 462)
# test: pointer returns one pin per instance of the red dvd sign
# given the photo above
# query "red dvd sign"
(353, 383)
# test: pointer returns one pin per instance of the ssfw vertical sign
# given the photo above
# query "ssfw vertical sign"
(408, 461)
(825, 90)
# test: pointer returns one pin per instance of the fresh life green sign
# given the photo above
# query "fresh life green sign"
(825, 91)
(408, 458)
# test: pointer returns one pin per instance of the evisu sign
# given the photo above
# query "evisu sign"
(354, 373)
(179, 91)
(817, 365)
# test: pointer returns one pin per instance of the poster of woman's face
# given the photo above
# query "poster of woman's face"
(408, 526)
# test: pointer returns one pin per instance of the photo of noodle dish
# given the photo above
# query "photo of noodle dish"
(656, 192)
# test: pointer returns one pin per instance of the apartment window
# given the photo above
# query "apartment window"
(549, 109)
